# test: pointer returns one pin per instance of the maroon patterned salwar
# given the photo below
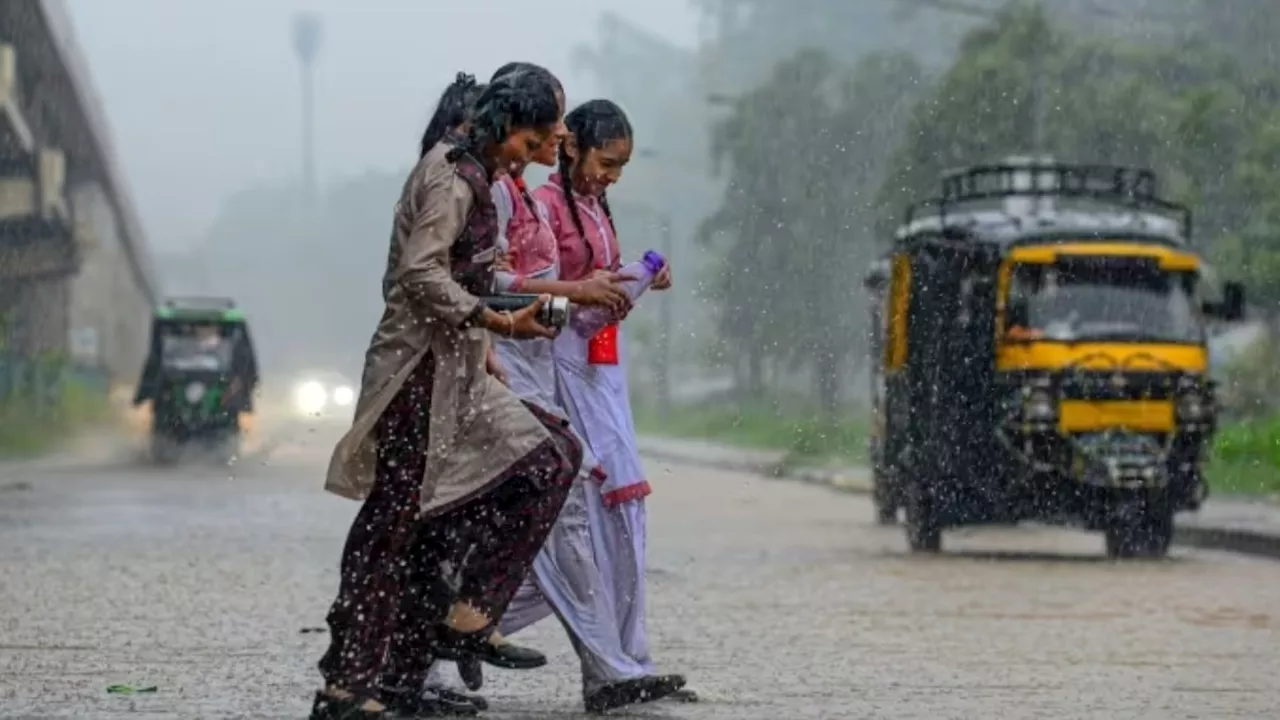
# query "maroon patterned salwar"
(480, 553)
(401, 571)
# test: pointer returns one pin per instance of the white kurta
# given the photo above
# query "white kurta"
(571, 578)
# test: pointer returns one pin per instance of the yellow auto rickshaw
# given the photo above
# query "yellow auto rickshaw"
(1045, 356)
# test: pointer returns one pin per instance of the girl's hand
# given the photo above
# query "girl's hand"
(663, 281)
(523, 324)
(603, 290)
(502, 262)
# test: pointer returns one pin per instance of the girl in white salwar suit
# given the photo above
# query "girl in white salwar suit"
(591, 373)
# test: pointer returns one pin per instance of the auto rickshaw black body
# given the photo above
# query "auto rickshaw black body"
(1044, 357)
(200, 377)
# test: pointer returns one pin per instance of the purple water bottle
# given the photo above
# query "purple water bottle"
(587, 321)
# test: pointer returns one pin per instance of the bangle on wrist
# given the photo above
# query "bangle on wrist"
(511, 323)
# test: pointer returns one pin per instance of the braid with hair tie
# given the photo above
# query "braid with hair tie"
(566, 184)
(453, 109)
(604, 203)
(524, 193)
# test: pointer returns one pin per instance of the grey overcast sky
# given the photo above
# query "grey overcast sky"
(203, 95)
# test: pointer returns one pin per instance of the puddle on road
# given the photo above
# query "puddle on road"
(1227, 617)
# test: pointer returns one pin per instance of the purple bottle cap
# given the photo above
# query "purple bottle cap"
(654, 261)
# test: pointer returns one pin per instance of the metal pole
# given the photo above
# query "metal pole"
(308, 132)
(666, 329)
(306, 44)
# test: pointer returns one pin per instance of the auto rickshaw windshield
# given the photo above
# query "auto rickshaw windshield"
(196, 347)
(1103, 303)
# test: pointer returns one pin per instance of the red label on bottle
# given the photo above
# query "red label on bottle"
(602, 349)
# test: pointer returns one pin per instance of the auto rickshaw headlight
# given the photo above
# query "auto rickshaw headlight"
(1038, 406)
(311, 397)
(343, 396)
(1193, 407)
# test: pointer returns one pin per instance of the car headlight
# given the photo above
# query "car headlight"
(194, 392)
(344, 396)
(311, 397)
(1038, 406)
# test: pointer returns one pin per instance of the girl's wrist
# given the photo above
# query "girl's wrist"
(497, 322)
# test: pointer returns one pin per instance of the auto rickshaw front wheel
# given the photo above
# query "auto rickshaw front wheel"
(924, 531)
(1140, 530)
(885, 500)
(886, 513)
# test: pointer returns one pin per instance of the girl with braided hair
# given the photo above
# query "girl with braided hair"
(460, 480)
(595, 395)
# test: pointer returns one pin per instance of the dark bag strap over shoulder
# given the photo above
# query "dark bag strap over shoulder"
(475, 250)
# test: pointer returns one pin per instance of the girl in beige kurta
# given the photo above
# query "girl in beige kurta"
(461, 481)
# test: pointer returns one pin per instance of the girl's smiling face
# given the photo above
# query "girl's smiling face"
(525, 144)
(599, 167)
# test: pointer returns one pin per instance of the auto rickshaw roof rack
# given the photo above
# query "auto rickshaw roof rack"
(1119, 187)
(198, 302)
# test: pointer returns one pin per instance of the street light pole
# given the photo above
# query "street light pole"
(306, 45)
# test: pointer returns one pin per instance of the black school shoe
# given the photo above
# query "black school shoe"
(631, 692)
(460, 647)
(327, 707)
(684, 695)
(431, 703)
(472, 673)
(454, 696)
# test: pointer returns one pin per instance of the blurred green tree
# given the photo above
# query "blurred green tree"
(803, 154)
(1208, 124)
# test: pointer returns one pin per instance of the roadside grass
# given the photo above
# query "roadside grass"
(1240, 478)
(24, 433)
(790, 427)
(1245, 458)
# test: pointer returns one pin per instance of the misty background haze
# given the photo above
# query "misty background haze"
(204, 97)
(205, 103)
(777, 143)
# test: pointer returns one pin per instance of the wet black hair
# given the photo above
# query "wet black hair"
(455, 107)
(512, 101)
(528, 67)
(593, 124)
(514, 67)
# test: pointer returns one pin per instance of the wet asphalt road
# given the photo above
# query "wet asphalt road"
(779, 600)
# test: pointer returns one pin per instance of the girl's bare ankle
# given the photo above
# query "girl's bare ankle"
(466, 619)
(367, 705)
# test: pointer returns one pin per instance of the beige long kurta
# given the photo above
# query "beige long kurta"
(478, 429)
